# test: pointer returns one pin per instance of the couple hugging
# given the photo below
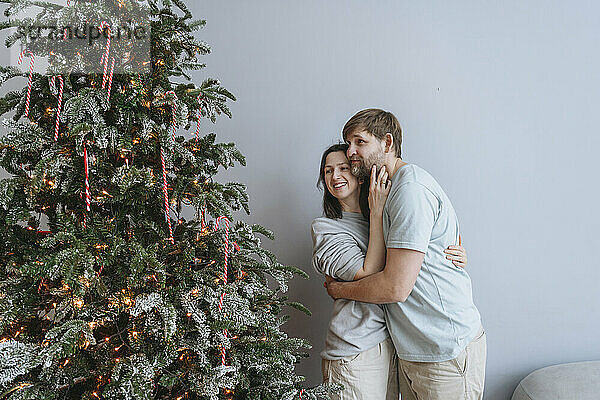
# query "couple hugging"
(403, 318)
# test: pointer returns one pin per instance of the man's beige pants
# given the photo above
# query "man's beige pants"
(370, 375)
(461, 378)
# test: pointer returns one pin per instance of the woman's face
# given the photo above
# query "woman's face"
(338, 178)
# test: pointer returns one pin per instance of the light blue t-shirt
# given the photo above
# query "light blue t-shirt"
(439, 318)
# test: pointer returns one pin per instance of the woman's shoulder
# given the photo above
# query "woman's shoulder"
(330, 225)
(323, 223)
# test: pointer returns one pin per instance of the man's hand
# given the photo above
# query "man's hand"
(329, 284)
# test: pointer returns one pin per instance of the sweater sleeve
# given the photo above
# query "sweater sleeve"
(335, 253)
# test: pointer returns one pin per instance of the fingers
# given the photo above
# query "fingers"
(380, 184)
(373, 176)
(456, 258)
(384, 180)
(382, 171)
(383, 175)
(459, 264)
(388, 185)
(453, 248)
(379, 180)
(454, 252)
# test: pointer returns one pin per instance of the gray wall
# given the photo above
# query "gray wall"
(497, 100)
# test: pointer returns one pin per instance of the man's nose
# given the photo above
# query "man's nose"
(351, 151)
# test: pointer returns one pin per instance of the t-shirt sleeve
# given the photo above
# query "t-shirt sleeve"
(412, 212)
(336, 254)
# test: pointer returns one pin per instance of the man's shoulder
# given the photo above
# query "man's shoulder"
(411, 173)
(411, 177)
(407, 177)
(413, 186)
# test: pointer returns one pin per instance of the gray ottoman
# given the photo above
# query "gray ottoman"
(576, 381)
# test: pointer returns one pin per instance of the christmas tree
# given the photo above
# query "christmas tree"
(107, 289)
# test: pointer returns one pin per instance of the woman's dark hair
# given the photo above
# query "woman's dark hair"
(331, 206)
(363, 199)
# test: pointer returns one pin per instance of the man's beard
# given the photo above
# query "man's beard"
(359, 170)
(362, 169)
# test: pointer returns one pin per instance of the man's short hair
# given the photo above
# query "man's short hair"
(378, 123)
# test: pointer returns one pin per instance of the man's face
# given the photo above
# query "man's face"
(364, 151)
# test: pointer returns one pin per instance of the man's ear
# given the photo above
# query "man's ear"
(389, 142)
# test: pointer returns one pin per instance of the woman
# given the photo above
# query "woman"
(347, 246)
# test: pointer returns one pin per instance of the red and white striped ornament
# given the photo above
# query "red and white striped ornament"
(58, 107)
(104, 59)
(164, 169)
(88, 197)
(30, 81)
(218, 221)
(110, 79)
(66, 29)
(166, 195)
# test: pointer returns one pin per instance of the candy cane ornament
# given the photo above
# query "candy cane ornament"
(199, 115)
(166, 195)
(174, 118)
(66, 29)
(222, 218)
(30, 81)
(164, 172)
(104, 59)
(110, 79)
(88, 197)
(58, 107)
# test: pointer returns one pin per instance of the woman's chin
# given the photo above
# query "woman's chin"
(342, 194)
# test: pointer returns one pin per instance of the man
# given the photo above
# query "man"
(431, 317)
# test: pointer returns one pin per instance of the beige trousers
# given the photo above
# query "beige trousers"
(461, 378)
(370, 375)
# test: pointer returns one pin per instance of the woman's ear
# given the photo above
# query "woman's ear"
(360, 181)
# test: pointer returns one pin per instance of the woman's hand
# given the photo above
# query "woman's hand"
(378, 190)
(458, 255)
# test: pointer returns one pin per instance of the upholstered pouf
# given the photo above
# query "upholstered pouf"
(576, 381)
